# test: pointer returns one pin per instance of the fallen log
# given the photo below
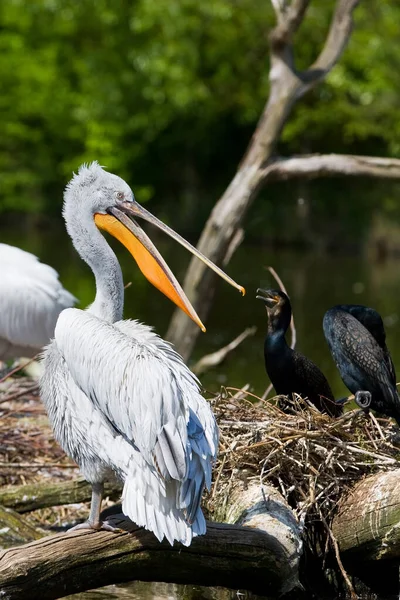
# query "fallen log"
(367, 525)
(25, 498)
(14, 529)
(228, 555)
(261, 554)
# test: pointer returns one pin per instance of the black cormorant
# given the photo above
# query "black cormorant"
(289, 371)
(357, 341)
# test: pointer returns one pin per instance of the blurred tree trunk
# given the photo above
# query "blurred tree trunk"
(287, 85)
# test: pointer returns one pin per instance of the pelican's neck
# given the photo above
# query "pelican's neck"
(94, 250)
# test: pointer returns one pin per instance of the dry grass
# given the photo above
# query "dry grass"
(29, 452)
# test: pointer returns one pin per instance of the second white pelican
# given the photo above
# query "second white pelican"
(120, 399)
(31, 298)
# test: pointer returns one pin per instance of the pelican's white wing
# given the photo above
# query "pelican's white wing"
(144, 391)
(31, 298)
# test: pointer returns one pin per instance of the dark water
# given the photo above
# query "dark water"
(161, 591)
(314, 281)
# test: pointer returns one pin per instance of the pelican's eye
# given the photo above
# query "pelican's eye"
(120, 196)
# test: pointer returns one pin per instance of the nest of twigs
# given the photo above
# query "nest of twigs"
(311, 458)
(28, 450)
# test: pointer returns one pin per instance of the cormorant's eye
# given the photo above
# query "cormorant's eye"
(120, 195)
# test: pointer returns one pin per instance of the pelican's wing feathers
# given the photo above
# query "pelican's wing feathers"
(31, 296)
(142, 387)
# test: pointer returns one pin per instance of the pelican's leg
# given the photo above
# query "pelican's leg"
(93, 521)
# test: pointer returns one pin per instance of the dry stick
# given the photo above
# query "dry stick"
(216, 482)
(292, 325)
(338, 559)
(375, 422)
(243, 390)
(215, 358)
(20, 393)
(19, 368)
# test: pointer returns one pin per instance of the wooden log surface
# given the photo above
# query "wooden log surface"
(25, 498)
(14, 529)
(228, 555)
(263, 507)
(367, 525)
(262, 556)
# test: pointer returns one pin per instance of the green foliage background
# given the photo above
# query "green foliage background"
(167, 93)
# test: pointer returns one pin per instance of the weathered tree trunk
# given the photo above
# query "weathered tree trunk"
(367, 526)
(287, 85)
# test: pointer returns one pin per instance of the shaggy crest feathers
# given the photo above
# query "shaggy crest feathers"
(87, 174)
(91, 189)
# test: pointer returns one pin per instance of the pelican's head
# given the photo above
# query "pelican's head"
(109, 201)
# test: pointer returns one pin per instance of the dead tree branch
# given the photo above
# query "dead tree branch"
(261, 553)
(286, 87)
(216, 358)
(336, 42)
(313, 166)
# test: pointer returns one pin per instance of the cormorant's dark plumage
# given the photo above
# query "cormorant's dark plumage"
(357, 340)
(289, 371)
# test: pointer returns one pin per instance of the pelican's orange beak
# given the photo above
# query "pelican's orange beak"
(149, 260)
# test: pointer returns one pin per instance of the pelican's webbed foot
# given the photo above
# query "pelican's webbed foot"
(99, 526)
(363, 399)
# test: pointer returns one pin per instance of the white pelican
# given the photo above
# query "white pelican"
(119, 398)
(31, 298)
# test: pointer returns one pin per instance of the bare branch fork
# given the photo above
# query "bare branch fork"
(258, 166)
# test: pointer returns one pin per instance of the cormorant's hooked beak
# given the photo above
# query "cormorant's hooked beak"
(268, 297)
(149, 260)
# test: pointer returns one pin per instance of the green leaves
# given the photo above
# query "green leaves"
(167, 93)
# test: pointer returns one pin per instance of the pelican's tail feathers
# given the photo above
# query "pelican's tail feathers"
(161, 517)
